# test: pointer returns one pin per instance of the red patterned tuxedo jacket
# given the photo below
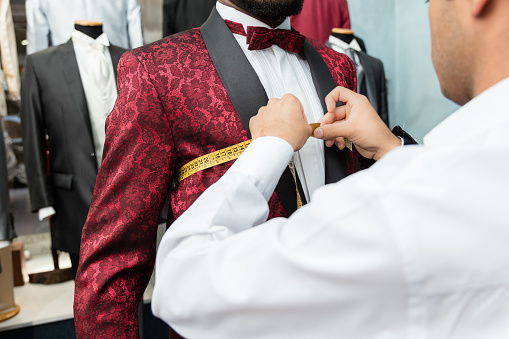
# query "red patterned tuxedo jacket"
(179, 98)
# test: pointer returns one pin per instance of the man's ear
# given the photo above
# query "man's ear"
(478, 7)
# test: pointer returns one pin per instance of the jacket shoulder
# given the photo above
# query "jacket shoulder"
(169, 47)
(46, 54)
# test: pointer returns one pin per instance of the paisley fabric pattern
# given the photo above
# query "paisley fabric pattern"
(171, 109)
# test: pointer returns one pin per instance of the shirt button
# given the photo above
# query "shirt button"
(92, 154)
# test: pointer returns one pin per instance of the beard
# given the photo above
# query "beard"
(271, 9)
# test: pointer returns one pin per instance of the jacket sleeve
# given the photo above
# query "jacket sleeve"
(134, 25)
(33, 129)
(119, 238)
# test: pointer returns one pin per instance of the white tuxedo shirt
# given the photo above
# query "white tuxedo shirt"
(282, 72)
(414, 247)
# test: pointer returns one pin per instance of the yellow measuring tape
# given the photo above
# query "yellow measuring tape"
(212, 159)
(222, 156)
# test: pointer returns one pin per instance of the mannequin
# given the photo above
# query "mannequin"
(342, 33)
(74, 143)
(91, 28)
(347, 36)
(370, 71)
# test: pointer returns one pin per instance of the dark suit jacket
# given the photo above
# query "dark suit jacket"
(373, 85)
(179, 98)
(54, 103)
(6, 224)
(181, 15)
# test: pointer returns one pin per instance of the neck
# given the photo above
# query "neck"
(491, 36)
(271, 22)
(343, 37)
(93, 31)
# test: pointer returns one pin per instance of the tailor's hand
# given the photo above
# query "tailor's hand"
(356, 121)
(283, 118)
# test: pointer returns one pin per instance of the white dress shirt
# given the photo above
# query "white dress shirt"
(282, 72)
(340, 46)
(414, 247)
(98, 79)
(54, 20)
(9, 57)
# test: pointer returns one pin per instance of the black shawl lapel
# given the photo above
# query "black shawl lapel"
(237, 75)
(72, 75)
(335, 160)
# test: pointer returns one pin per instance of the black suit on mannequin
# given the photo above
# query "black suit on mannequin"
(54, 104)
(181, 15)
(373, 84)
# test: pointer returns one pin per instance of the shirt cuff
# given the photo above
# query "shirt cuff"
(46, 212)
(263, 162)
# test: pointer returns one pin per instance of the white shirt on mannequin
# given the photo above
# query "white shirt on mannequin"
(414, 247)
(282, 72)
(98, 79)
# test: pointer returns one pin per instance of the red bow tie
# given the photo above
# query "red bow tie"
(261, 37)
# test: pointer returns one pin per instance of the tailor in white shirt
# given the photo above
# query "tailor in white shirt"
(282, 72)
(414, 247)
(53, 21)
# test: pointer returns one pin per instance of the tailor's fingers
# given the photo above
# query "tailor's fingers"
(338, 94)
(333, 131)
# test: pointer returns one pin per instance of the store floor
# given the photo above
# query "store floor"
(49, 308)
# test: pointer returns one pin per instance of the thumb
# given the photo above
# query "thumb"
(333, 131)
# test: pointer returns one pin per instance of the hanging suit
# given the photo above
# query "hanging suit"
(179, 98)
(54, 103)
(318, 17)
(181, 15)
(51, 22)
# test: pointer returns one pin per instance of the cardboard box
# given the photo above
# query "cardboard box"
(19, 266)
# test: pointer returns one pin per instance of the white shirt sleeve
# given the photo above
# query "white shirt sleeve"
(218, 276)
(46, 212)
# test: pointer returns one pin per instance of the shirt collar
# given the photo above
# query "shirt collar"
(82, 38)
(343, 45)
(230, 13)
(473, 121)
